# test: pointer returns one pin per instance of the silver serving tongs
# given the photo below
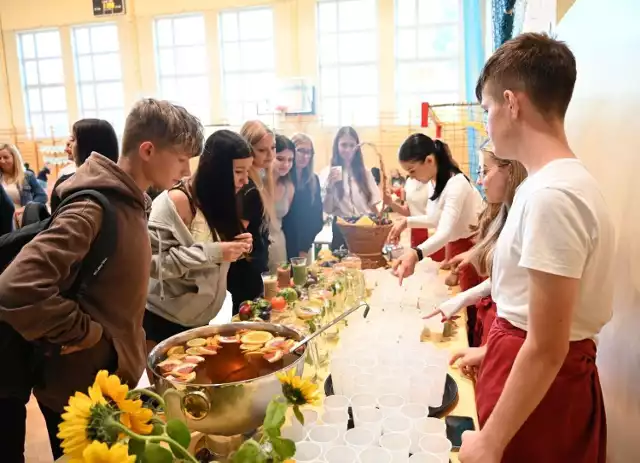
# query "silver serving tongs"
(331, 323)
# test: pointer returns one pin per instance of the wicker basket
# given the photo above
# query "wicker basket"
(366, 242)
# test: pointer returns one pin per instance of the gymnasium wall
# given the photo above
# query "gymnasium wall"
(603, 127)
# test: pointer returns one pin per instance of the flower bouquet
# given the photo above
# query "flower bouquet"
(112, 424)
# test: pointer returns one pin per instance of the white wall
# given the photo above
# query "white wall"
(604, 129)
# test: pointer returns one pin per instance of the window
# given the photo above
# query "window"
(99, 73)
(182, 64)
(427, 55)
(248, 61)
(42, 71)
(348, 62)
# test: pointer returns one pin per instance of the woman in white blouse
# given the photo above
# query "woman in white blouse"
(350, 189)
(453, 208)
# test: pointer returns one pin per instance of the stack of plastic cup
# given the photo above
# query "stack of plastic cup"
(397, 424)
(390, 404)
(426, 426)
(436, 445)
(369, 418)
(308, 452)
(325, 436)
(359, 439)
(398, 445)
(375, 455)
(337, 419)
(341, 454)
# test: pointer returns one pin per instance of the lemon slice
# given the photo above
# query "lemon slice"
(309, 309)
(256, 337)
(196, 342)
(175, 350)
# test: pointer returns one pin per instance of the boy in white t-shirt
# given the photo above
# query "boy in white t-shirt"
(538, 393)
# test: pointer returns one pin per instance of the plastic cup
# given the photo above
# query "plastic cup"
(359, 438)
(398, 445)
(340, 368)
(390, 404)
(336, 403)
(375, 455)
(426, 458)
(270, 284)
(364, 382)
(414, 411)
(422, 390)
(294, 433)
(397, 424)
(438, 374)
(365, 400)
(308, 451)
(341, 454)
(337, 419)
(426, 426)
(325, 436)
(369, 418)
(437, 445)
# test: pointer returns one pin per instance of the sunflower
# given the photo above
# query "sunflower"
(82, 420)
(134, 416)
(99, 452)
(298, 391)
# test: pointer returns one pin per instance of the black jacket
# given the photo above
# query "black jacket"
(6, 212)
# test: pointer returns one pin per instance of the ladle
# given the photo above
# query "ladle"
(331, 323)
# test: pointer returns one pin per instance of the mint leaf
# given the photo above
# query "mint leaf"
(276, 411)
(285, 448)
(249, 452)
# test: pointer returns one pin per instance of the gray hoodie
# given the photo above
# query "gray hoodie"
(188, 279)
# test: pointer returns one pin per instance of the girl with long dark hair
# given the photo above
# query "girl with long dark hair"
(351, 190)
(304, 220)
(257, 205)
(196, 232)
(452, 210)
(285, 180)
(88, 136)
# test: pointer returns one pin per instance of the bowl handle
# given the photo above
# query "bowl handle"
(195, 405)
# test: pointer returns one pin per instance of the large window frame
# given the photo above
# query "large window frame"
(182, 68)
(418, 36)
(248, 64)
(349, 87)
(42, 75)
(98, 69)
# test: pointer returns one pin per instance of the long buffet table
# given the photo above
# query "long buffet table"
(465, 404)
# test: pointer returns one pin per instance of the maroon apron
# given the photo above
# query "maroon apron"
(419, 236)
(467, 275)
(485, 315)
(569, 425)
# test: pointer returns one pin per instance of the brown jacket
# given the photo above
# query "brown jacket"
(109, 316)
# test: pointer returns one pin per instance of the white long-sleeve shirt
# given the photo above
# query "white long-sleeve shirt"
(353, 203)
(417, 196)
(452, 214)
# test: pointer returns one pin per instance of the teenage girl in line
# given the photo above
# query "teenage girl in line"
(304, 220)
(244, 280)
(452, 210)
(195, 233)
(500, 180)
(351, 190)
(284, 172)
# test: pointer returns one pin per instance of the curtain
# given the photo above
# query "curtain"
(503, 19)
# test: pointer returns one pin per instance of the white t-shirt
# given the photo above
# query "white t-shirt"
(558, 224)
(452, 214)
(353, 203)
(417, 196)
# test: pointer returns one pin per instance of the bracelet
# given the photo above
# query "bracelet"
(419, 253)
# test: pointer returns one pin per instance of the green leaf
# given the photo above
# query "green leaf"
(155, 453)
(272, 433)
(137, 448)
(276, 411)
(179, 432)
(249, 452)
(285, 448)
(298, 414)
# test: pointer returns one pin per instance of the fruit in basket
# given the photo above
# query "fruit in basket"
(365, 221)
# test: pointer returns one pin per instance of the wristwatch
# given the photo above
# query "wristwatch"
(419, 252)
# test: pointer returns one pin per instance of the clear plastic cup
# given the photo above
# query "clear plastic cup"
(364, 400)
(369, 418)
(375, 455)
(426, 458)
(437, 445)
(359, 438)
(340, 368)
(414, 411)
(341, 454)
(421, 390)
(294, 433)
(426, 426)
(325, 436)
(438, 374)
(337, 419)
(398, 445)
(336, 402)
(390, 404)
(397, 424)
(364, 382)
(307, 452)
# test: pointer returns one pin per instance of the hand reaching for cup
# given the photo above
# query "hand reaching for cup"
(399, 226)
(469, 360)
(405, 266)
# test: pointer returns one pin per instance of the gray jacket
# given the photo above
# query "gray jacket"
(188, 279)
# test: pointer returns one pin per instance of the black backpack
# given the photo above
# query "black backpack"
(27, 357)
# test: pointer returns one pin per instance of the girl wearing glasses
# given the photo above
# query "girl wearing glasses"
(304, 220)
